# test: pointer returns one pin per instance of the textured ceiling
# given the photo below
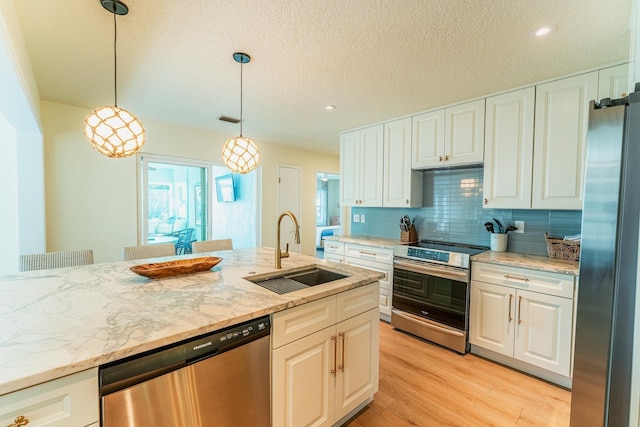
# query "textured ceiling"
(373, 59)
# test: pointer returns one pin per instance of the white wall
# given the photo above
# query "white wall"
(91, 199)
(21, 173)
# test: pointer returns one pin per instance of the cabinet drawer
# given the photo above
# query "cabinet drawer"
(371, 253)
(69, 401)
(331, 247)
(386, 269)
(333, 257)
(300, 321)
(545, 282)
(358, 300)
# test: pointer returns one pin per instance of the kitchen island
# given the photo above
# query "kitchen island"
(58, 322)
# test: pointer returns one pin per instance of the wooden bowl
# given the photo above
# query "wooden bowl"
(158, 270)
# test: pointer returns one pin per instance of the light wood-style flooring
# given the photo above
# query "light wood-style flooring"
(422, 384)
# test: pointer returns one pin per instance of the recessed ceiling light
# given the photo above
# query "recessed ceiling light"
(542, 31)
(329, 107)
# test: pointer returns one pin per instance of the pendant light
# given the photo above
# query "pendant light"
(241, 154)
(114, 131)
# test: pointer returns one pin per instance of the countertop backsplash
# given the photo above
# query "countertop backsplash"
(452, 211)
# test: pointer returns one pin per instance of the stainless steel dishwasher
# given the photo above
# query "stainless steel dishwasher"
(218, 379)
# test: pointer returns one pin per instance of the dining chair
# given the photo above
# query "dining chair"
(59, 259)
(185, 239)
(148, 251)
(212, 245)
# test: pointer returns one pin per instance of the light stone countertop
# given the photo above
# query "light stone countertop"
(365, 240)
(534, 262)
(57, 322)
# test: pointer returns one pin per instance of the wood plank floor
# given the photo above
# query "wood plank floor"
(422, 384)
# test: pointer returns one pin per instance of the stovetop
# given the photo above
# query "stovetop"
(447, 253)
(449, 247)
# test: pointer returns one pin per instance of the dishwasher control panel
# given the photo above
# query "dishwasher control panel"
(227, 338)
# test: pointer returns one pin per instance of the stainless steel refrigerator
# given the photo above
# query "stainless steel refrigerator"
(608, 266)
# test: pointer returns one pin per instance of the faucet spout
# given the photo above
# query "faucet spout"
(279, 253)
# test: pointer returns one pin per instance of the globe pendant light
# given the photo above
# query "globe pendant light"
(241, 154)
(114, 131)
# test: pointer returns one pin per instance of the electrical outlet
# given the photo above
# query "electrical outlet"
(356, 217)
(362, 218)
(520, 225)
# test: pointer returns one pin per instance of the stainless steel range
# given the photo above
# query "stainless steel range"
(431, 291)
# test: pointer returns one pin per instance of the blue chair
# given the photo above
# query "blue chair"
(323, 234)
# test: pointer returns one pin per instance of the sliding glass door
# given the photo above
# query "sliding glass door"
(173, 200)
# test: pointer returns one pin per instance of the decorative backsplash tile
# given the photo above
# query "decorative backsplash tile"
(452, 211)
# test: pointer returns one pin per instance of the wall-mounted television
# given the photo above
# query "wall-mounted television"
(225, 189)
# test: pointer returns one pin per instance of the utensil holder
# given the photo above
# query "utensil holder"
(410, 236)
(499, 242)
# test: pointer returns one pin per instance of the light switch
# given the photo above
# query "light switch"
(356, 217)
(362, 218)
(520, 225)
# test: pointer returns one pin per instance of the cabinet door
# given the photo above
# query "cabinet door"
(303, 387)
(464, 133)
(357, 377)
(371, 173)
(349, 168)
(613, 82)
(543, 334)
(492, 313)
(560, 141)
(68, 401)
(508, 150)
(402, 185)
(427, 146)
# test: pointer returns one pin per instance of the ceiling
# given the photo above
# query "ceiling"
(373, 59)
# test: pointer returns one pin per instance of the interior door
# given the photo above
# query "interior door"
(289, 200)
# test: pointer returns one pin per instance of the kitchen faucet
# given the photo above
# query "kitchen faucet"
(279, 253)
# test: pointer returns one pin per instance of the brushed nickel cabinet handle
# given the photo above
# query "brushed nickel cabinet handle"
(19, 421)
(341, 366)
(524, 279)
(446, 157)
(510, 299)
(519, 309)
(407, 201)
(367, 253)
(335, 354)
(486, 201)
(440, 158)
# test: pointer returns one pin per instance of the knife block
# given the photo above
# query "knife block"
(410, 236)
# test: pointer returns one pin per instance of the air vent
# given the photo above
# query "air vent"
(229, 119)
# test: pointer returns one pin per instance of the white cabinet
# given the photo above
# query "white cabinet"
(508, 150)
(561, 120)
(449, 137)
(525, 315)
(361, 167)
(322, 373)
(68, 401)
(613, 82)
(334, 251)
(377, 259)
(402, 186)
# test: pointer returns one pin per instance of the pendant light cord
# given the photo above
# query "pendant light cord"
(115, 61)
(241, 99)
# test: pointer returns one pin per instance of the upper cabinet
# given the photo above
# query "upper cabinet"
(449, 137)
(560, 142)
(402, 186)
(508, 150)
(361, 167)
(613, 82)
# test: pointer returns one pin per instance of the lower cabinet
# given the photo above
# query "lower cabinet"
(526, 316)
(377, 259)
(64, 402)
(323, 376)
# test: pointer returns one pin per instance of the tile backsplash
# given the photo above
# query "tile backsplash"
(452, 211)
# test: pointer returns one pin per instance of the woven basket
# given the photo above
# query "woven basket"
(562, 249)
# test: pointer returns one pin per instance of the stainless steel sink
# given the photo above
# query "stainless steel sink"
(285, 283)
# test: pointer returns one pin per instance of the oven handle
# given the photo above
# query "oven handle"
(428, 324)
(446, 273)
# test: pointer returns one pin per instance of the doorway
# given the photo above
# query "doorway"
(289, 200)
(328, 212)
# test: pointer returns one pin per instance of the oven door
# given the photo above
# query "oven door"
(434, 292)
